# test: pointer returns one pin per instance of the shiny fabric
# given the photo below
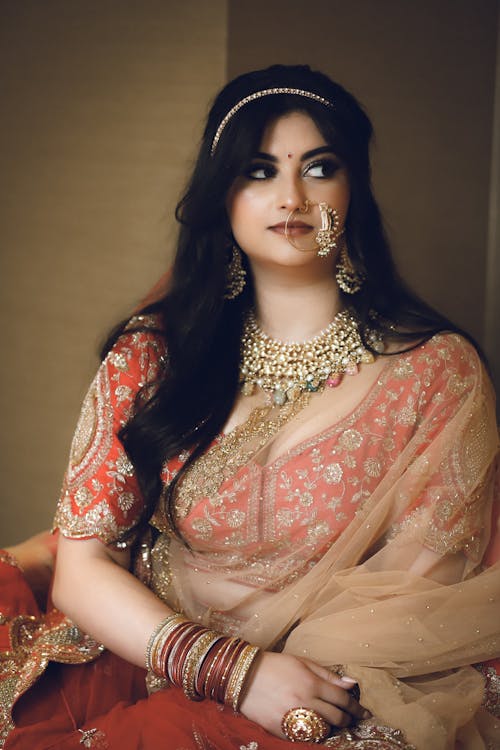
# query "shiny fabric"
(368, 546)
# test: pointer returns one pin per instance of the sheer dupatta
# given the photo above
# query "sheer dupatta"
(400, 600)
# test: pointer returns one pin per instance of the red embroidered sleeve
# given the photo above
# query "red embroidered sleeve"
(100, 497)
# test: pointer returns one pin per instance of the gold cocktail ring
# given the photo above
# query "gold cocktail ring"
(304, 725)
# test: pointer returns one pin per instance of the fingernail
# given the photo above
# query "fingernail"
(366, 714)
(349, 680)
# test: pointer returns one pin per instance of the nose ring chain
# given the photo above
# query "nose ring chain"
(326, 238)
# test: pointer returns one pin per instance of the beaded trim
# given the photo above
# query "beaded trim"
(287, 369)
(259, 95)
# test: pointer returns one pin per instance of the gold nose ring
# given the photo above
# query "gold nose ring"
(327, 236)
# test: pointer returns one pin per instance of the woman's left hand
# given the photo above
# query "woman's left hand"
(280, 682)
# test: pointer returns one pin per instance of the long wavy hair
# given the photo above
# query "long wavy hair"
(202, 329)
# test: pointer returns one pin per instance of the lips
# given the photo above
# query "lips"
(294, 228)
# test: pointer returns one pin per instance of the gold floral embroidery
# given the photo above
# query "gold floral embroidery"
(161, 576)
(202, 742)
(100, 495)
(6, 557)
(369, 736)
(491, 700)
(85, 428)
(232, 451)
(246, 520)
(34, 642)
(93, 738)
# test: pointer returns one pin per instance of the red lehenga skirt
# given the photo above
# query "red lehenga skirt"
(58, 692)
(101, 704)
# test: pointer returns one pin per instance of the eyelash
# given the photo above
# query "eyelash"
(268, 169)
(330, 166)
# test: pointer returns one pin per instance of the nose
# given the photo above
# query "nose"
(291, 194)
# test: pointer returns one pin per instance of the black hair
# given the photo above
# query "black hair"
(202, 329)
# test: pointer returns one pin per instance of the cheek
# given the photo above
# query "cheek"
(341, 200)
(242, 206)
(345, 203)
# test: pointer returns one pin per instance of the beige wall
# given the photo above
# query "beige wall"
(425, 72)
(102, 104)
(101, 110)
(492, 318)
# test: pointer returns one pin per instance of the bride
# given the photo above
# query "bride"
(278, 520)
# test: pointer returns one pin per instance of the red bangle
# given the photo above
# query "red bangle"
(162, 656)
(205, 667)
(230, 664)
(213, 679)
(171, 656)
(178, 659)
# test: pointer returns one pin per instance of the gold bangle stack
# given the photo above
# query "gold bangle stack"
(205, 664)
(158, 636)
(238, 676)
(194, 662)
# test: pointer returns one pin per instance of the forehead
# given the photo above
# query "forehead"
(291, 131)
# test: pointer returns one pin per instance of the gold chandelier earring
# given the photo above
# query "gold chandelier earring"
(348, 279)
(235, 275)
(330, 231)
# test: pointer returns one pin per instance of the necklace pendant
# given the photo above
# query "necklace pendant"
(334, 380)
(279, 397)
(293, 392)
(285, 370)
(377, 343)
(248, 388)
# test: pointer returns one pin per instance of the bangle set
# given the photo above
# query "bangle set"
(203, 663)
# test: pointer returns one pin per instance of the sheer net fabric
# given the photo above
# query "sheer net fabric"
(363, 547)
(395, 595)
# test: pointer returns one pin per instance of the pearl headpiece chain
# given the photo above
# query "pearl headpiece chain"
(259, 95)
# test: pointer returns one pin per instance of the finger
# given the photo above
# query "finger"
(332, 714)
(349, 703)
(326, 674)
(341, 699)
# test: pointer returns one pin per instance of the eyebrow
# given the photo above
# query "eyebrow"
(306, 155)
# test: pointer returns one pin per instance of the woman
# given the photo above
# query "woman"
(320, 513)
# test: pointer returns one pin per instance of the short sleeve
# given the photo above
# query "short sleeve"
(100, 497)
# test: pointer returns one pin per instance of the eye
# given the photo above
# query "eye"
(323, 168)
(260, 171)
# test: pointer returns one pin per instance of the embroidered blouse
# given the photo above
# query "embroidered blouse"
(307, 496)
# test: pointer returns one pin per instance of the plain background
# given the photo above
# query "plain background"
(102, 108)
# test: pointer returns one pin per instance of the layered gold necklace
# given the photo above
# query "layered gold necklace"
(285, 369)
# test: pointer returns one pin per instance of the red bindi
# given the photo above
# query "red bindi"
(289, 156)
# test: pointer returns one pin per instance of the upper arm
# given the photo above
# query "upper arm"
(101, 498)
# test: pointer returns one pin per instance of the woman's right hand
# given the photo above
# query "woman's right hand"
(279, 682)
(36, 557)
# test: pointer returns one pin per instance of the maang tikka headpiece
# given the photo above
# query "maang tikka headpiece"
(259, 95)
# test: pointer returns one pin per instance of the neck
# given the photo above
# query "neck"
(291, 308)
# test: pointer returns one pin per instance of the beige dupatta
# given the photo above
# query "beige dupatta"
(399, 600)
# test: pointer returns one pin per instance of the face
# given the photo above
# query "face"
(294, 164)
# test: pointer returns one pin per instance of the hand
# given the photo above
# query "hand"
(36, 557)
(280, 682)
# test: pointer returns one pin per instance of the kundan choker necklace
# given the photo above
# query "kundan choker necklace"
(288, 369)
